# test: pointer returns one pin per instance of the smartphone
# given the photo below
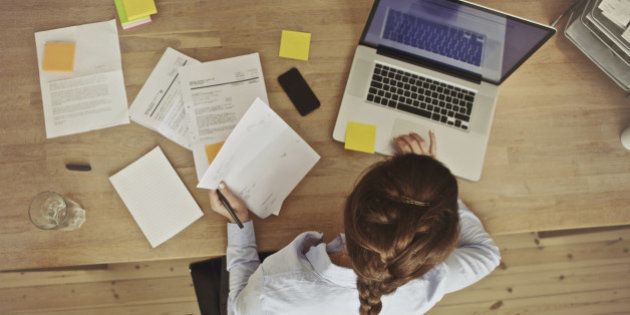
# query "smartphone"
(298, 91)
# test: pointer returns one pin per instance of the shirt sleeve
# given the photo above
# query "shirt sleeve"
(476, 255)
(242, 259)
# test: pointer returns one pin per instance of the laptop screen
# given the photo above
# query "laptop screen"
(457, 34)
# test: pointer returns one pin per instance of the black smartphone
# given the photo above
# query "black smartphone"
(298, 91)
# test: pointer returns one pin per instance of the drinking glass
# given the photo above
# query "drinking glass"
(52, 211)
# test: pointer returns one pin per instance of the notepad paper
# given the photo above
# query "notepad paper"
(295, 45)
(136, 9)
(156, 197)
(360, 137)
(261, 161)
(59, 56)
(125, 22)
(212, 150)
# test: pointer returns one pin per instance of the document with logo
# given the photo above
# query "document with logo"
(216, 94)
(159, 105)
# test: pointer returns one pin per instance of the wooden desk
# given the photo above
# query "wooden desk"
(554, 160)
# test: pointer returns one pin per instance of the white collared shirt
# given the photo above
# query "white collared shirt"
(301, 279)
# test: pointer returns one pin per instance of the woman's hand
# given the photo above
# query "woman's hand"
(237, 204)
(414, 143)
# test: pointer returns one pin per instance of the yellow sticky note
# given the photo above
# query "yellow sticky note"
(295, 45)
(59, 56)
(136, 9)
(360, 137)
(212, 150)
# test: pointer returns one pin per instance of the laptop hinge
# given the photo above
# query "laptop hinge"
(425, 62)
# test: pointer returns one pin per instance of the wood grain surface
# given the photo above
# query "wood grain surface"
(554, 159)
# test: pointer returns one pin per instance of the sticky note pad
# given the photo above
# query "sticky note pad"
(295, 45)
(59, 56)
(212, 150)
(136, 9)
(360, 137)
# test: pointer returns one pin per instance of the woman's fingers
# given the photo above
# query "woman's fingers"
(421, 143)
(414, 143)
(216, 204)
(227, 193)
(402, 146)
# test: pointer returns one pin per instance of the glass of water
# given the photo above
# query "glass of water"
(52, 211)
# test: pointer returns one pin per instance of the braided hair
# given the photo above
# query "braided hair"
(400, 221)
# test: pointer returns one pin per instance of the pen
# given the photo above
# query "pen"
(78, 167)
(229, 208)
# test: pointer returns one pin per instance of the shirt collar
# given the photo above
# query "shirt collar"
(317, 255)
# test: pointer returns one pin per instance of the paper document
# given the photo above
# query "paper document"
(93, 95)
(262, 161)
(216, 94)
(159, 105)
(156, 197)
(617, 11)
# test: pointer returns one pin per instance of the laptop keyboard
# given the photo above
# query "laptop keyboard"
(455, 43)
(421, 96)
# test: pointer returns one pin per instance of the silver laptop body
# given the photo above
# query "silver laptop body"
(435, 65)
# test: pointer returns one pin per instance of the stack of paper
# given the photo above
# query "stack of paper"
(617, 11)
(216, 94)
(157, 199)
(80, 73)
(133, 13)
(262, 161)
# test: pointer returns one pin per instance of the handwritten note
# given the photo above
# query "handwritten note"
(262, 161)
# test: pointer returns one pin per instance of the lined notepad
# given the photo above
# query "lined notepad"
(156, 197)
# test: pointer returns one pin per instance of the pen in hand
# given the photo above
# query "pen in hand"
(229, 208)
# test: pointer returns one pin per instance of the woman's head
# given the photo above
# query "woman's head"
(400, 221)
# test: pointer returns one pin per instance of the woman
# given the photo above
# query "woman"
(408, 241)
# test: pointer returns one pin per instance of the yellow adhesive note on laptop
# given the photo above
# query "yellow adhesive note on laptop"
(295, 45)
(360, 137)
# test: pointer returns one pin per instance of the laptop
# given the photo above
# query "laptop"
(435, 65)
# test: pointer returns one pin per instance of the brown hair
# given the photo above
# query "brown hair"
(400, 221)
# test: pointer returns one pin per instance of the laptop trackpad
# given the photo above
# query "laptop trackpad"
(403, 127)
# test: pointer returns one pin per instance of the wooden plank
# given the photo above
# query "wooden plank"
(114, 272)
(170, 308)
(97, 294)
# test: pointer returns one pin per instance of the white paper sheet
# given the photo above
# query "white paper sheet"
(93, 96)
(262, 161)
(216, 94)
(159, 105)
(156, 197)
(617, 11)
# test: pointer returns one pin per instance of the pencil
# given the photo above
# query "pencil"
(229, 208)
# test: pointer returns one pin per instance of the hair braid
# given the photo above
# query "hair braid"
(400, 220)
